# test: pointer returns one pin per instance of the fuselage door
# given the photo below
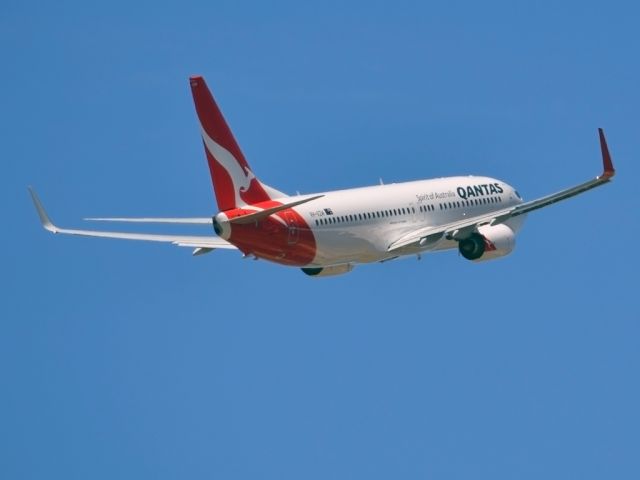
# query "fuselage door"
(292, 228)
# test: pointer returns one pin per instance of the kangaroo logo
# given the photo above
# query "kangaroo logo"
(241, 176)
(249, 176)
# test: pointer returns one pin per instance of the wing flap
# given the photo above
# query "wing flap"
(428, 237)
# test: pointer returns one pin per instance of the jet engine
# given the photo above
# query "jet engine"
(328, 271)
(488, 243)
(221, 225)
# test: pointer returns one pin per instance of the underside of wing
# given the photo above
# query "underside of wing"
(428, 238)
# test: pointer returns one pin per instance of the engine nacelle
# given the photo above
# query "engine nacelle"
(490, 242)
(221, 225)
(328, 271)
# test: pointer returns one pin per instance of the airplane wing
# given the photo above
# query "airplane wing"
(201, 244)
(428, 237)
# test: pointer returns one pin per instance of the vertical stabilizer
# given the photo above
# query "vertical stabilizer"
(234, 183)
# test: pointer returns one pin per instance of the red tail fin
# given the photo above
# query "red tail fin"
(234, 183)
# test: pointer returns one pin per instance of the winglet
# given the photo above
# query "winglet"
(44, 218)
(608, 170)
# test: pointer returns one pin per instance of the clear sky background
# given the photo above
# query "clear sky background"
(134, 360)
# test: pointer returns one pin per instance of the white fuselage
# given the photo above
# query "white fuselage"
(358, 225)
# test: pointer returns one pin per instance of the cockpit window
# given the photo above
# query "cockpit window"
(517, 194)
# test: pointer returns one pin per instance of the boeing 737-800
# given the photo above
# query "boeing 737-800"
(329, 233)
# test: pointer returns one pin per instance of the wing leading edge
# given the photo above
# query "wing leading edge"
(201, 244)
(428, 237)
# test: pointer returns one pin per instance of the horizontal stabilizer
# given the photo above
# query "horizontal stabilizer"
(182, 221)
(262, 214)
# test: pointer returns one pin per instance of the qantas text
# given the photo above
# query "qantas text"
(479, 190)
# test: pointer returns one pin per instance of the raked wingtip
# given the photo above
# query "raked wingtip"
(44, 218)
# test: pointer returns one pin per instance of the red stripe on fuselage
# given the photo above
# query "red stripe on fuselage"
(287, 239)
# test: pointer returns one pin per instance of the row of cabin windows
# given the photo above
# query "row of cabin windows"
(403, 211)
(470, 203)
(365, 216)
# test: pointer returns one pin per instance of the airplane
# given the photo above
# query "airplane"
(328, 233)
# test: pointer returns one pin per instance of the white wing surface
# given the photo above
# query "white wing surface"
(201, 244)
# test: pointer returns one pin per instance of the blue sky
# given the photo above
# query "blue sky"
(129, 360)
